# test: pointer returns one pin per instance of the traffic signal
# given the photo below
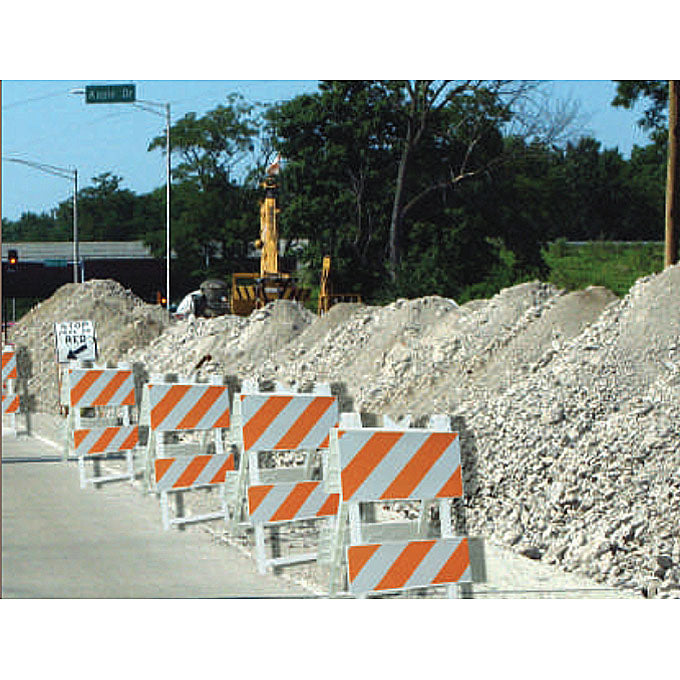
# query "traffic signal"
(160, 298)
(12, 259)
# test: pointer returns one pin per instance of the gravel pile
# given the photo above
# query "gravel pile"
(578, 462)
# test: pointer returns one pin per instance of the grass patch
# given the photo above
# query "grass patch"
(615, 266)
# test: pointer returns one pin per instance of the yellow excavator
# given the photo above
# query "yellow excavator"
(251, 290)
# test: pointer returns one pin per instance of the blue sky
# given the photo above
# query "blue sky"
(42, 122)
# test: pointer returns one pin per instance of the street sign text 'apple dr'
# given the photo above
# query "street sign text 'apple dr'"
(109, 94)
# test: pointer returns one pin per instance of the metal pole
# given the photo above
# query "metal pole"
(672, 181)
(75, 227)
(167, 208)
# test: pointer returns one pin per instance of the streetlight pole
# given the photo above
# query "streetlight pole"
(66, 173)
(167, 206)
(147, 105)
(76, 254)
(140, 104)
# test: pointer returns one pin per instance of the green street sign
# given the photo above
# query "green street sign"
(109, 94)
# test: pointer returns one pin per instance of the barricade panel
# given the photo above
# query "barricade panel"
(188, 407)
(285, 502)
(92, 387)
(279, 422)
(9, 364)
(412, 464)
(402, 565)
(98, 440)
(187, 472)
(10, 404)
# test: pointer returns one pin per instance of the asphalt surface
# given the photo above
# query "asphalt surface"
(59, 541)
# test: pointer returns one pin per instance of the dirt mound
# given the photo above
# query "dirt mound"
(577, 460)
(120, 318)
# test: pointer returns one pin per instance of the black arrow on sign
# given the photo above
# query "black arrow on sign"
(72, 352)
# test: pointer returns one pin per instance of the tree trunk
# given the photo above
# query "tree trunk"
(672, 181)
(395, 221)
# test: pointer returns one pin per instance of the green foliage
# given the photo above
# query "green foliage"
(615, 266)
(654, 94)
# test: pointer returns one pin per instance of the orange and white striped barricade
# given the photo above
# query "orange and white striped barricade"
(383, 465)
(278, 422)
(106, 430)
(173, 410)
(10, 397)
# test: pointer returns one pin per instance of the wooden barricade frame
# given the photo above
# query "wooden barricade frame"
(303, 426)
(108, 388)
(207, 414)
(404, 556)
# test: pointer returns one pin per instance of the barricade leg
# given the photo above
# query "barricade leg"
(260, 550)
(165, 510)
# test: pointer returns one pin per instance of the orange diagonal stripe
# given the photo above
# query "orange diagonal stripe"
(407, 562)
(191, 472)
(357, 556)
(223, 420)
(84, 384)
(161, 410)
(330, 506)
(104, 440)
(161, 466)
(308, 418)
(6, 356)
(79, 435)
(210, 395)
(256, 495)
(221, 474)
(455, 566)
(131, 440)
(289, 508)
(264, 417)
(116, 381)
(365, 461)
(420, 464)
(453, 487)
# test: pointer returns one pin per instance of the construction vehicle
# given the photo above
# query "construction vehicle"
(251, 290)
(326, 297)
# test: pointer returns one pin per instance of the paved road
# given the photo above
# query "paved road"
(59, 541)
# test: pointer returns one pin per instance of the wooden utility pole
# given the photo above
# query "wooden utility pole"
(673, 176)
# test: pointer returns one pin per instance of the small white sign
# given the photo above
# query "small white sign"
(75, 341)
